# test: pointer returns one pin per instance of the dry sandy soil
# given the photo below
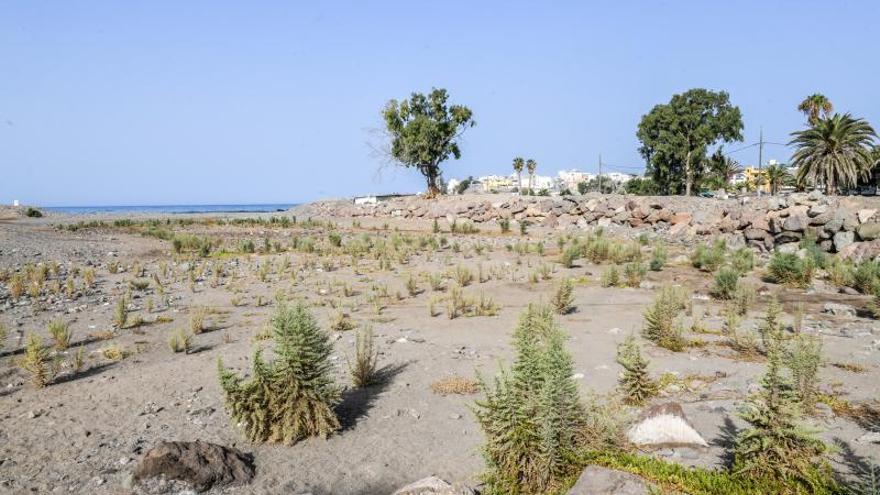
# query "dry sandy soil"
(85, 432)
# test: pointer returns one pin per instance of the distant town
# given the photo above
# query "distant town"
(574, 181)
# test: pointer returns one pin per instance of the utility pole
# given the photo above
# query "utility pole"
(600, 173)
(761, 149)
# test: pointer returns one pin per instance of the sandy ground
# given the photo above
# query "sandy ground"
(85, 432)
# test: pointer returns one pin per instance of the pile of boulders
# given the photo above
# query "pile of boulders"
(848, 225)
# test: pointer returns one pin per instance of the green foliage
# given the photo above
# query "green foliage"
(504, 224)
(673, 477)
(532, 415)
(675, 136)
(635, 383)
(804, 360)
(814, 106)
(424, 132)
(834, 151)
(36, 362)
(610, 277)
(709, 259)
(866, 277)
(639, 186)
(570, 255)
(660, 326)
(658, 258)
(633, 273)
(366, 357)
(726, 284)
(291, 397)
(776, 446)
(771, 328)
(61, 333)
(33, 213)
(563, 298)
(788, 269)
(742, 260)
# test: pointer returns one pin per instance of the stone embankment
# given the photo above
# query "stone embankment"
(848, 225)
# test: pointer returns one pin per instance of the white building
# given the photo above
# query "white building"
(569, 179)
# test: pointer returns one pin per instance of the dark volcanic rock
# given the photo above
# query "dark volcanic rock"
(201, 464)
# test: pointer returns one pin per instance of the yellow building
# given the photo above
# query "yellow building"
(757, 179)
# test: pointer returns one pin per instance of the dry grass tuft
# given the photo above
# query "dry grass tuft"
(455, 385)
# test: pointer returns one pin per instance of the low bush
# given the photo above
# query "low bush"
(291, 397)
(726, 284)
(788, 269)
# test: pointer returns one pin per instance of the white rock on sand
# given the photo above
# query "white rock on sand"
(665, 425)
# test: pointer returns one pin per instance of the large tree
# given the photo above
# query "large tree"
(676, 135)
(424, 132)
(835, 152)
(815, 106)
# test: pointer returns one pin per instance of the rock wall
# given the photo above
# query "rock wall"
(849, 225)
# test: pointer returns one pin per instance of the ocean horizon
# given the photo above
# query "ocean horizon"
(178, 209)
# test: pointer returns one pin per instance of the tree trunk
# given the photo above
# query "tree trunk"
(430, 173)
(688, 174)
(830, 190)
(519, 180)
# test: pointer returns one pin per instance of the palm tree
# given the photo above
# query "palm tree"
(777, 175)
(815, 104)
(518, 164)
(723, 167)
(531, 165)
(836, 151)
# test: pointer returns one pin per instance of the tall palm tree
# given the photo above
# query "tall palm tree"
(531, 165)
(814, 105)
(835, 152)
(777, 175)
(518, 164)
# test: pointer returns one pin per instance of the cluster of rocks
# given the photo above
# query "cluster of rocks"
(843, 224)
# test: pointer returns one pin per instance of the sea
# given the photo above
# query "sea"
(182, 209)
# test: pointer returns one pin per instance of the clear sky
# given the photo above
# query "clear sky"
(169, 102)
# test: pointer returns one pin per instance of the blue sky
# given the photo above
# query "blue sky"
(168, 102)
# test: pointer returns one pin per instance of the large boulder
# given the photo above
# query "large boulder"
(201, 464)
(796, 222)
(869, 231)
(860, 251)
(433, 485)
(665, 425)
(843, 239)
(596, 480)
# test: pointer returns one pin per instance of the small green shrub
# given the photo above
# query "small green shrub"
(709, 259)
(658, 257)
(633, 273)
(776, 446)
(366, 357)
(61, 333)
(291, 397)
(610, 277)
(866, 277)
(563, 298)
(742, 260)
(532, 416)
(33, 213)
(660, 326)
(726, 284)
(36, 362)
(788, 269)
(635, 383)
